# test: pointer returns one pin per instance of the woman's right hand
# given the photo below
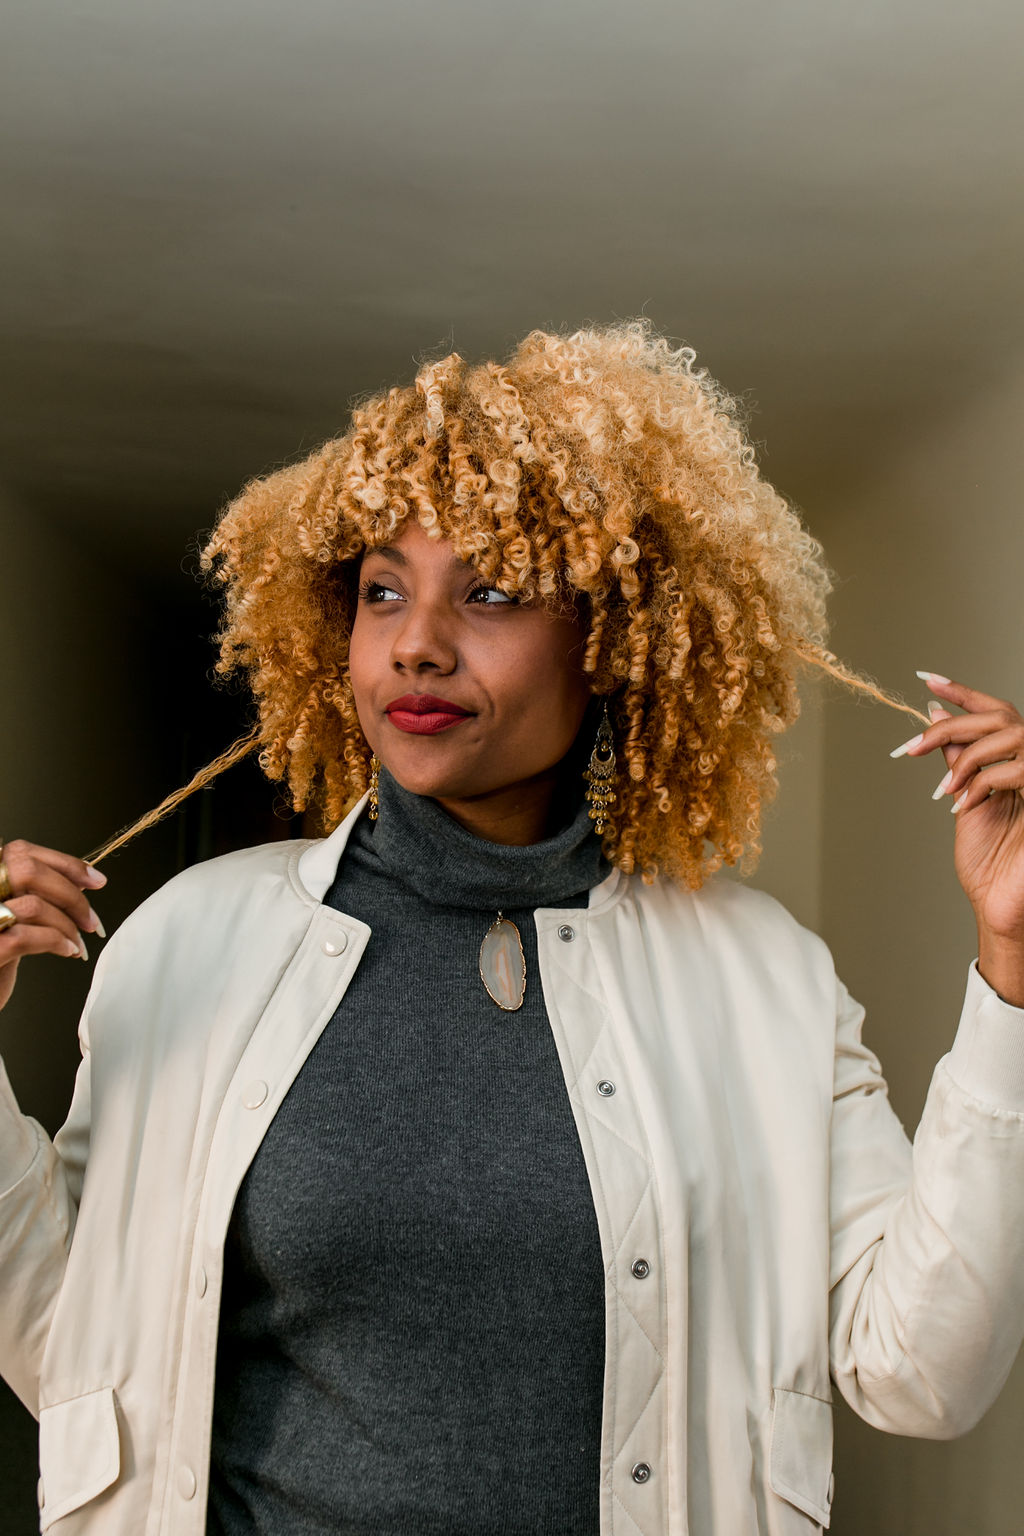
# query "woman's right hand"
(46, 896)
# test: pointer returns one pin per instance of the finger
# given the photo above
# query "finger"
(81, 874)
(959, 694)
(958, 730)
(1004, 747)
(28, 939)
(38, 879)
(33, 870)
(33, 913)
(1000, 776)
(949, 752)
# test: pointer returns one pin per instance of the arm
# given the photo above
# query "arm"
(41, 1183)
(42, 911)
(928, 1314)
(927, 1283)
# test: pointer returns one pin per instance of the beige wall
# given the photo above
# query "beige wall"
(790, 866)
(930, 555)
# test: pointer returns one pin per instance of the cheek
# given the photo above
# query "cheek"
(361, 665)
(359, 653)
(550, 689)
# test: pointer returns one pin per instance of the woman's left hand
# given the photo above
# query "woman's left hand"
(984, 786)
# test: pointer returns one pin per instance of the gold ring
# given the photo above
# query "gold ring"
(7, 917)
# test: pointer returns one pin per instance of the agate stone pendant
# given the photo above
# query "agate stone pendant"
(503, 964)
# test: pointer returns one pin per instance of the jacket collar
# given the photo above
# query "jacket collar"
(318, 863)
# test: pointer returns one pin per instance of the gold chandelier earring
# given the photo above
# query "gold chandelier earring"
(599, 775)
(374, 808)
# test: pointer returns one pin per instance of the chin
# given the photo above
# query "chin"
(432, 780)
(444, 789)
(445, 781)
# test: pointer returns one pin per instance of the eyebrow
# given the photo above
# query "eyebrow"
(394, 554)
(388, 551)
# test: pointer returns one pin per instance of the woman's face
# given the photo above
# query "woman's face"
(464, 694)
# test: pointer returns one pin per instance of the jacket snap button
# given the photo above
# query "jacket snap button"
(605, 1088)
(641, 1268)
(335, 946)
(641, 1472)
(186, 1482)
(255, 1095)
(566, 934)
(200, 1282)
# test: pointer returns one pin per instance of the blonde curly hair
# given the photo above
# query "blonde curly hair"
(603, 469)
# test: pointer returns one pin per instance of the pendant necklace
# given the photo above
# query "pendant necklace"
(503, 964)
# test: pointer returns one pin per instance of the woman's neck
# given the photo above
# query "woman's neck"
(421, 843)
(522, 814)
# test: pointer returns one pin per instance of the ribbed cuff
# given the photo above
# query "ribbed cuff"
(987, 1058)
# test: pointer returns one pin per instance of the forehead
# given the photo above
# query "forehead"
(413, 546)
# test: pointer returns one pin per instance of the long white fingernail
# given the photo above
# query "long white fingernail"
(915, 741)
(940, 790)
(958, 803)
(936, 711)
(82, 949)
(932, 677)
(97, 926)
(71, 949)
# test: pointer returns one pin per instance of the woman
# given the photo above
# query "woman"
(468, 1171)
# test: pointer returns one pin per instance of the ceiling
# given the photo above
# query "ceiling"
(223, 220)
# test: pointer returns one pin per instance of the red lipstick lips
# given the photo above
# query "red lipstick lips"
(423, 714)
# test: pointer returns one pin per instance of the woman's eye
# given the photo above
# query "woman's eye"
(377, 592)
(374, 592)
(489, 595)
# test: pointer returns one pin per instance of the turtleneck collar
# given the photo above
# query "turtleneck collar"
(421, 845)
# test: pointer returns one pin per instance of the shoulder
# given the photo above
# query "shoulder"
(240, 915)
(722, 900)
(743, 928)
(243, 870)
(213, 897)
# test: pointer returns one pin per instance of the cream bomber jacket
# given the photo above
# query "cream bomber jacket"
(763, 1221)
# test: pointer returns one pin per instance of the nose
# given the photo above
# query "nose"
(424, 641)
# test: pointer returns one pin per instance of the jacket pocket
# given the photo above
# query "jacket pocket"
(801, 1452)
(79, 1453)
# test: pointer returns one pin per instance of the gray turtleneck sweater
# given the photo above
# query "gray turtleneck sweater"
(412, 1319)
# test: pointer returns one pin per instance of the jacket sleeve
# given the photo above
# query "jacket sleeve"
(927, 1244)
(40, 1186)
